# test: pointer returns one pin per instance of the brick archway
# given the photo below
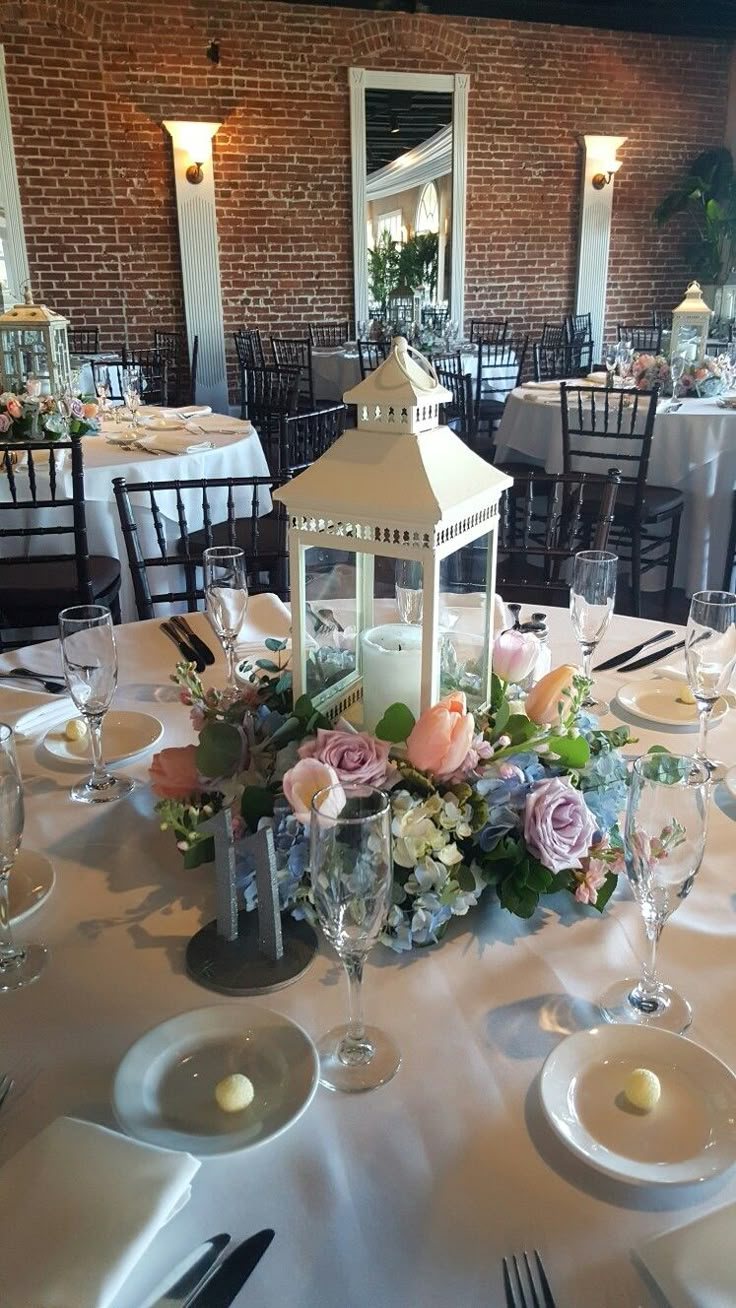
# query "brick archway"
(411, 34)
(80, 17)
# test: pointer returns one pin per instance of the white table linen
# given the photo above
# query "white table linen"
(693, 450)
(506, 375)
(694, 1264)
(334, 372)
(406, 1197)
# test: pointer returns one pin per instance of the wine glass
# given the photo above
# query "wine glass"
(352, 874)
(710, 657)
(226, 596)
(91, 669)
(102, 390)
(19, 965)
(409, 593)
(592, 595)
(625, 355)
(132, 393)
(664, 839)
(610, 359)
(677, 368)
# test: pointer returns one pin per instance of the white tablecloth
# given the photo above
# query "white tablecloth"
(334, 372)
(406, 1197)
(236, 452)
(693, 450)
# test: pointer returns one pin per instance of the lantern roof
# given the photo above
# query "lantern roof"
(29, 313)
(693, 302)
(399, 381)
(412, 479)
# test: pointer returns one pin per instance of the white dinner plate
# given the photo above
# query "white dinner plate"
(29, 884)
(124, 734)
(656, 700)
(164, 1089)
(689, 1136)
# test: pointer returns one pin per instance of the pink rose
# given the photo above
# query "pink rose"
(440, 740)
(558, 825)
(174, 774)
(14, 409)
(4, 422)
(514, 654)
(354, 755)
(302, 782)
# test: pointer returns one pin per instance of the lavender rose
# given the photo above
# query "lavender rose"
(4, 422)
(76, 409)
(558, 825)
(354, 755)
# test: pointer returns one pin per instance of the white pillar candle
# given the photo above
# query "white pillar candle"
(392, 670)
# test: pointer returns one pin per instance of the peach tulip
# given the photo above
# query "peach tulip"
(439, 741)
(543, 701)
(91, 410)
(302, 782)
(173, 773)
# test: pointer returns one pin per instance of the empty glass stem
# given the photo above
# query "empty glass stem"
(9, 955)
(704, 711)
(355, 1048)
(100, 775)
(646, 995)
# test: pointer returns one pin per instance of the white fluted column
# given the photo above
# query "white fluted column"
(595, 233)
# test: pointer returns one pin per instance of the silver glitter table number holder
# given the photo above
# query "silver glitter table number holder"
(243, 953)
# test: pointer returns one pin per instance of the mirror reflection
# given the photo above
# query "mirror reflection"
(408, 211)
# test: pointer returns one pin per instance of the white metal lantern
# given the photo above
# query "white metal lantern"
(397, 494)
(33, 343)
(690, 326)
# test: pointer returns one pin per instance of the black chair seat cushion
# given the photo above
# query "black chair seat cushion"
(33, 586)
(659, 502)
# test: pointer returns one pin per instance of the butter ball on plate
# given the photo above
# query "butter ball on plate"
(642, 1089)
(75, 729)
(234, 1093)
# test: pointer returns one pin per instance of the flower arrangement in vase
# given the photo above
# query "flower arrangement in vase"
(705, 380)
(30, 415)
(523, 800)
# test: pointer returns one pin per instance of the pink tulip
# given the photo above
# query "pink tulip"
(440, 740)
(514, 655)
(174, 774)
(302, 782)
(543, 701)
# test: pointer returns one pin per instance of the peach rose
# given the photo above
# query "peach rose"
(14, 409)
(91, 410)
(302, 782)
(174, 774)
(543, 701)
(440, 739)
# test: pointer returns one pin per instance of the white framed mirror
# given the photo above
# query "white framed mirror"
(409, 159)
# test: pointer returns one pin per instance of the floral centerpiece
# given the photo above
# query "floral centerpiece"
(649, 370)
(29, 415)
(521, 800)
(706, 380)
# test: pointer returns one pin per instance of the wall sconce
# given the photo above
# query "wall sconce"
(600, 180)
(194, 141)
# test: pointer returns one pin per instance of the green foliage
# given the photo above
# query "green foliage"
(707, 198)
(396, 724)
(256, 803)
(418, 261)
(202, 851)
(219, 750)
(383, 269)
(572, 751)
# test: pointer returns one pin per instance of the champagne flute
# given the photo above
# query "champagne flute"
(91, 669)
(592, 595)
(710, 657)
(19, 965)
(625, 360)
(677, 368)
(409, 593)
(226, 596)
(132, 393)
(610, 359)
(664, 839)
(352, 873)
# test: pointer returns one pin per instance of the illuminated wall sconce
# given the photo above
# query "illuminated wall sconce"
(602, 179)
(193, 140)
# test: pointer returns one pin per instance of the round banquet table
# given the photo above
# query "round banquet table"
(693, 450)
(334, 371)
(406, 1197)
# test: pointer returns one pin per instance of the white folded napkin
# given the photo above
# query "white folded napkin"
(694, 1265)
(267, 616)
(188, 411)
(541, 386)
(220, 422)
(175, 442)
(82, 1204)
(46, 716)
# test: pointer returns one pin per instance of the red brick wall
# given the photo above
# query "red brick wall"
(91, 80)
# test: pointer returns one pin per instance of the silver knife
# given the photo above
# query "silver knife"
(226, 1282)
(189, 1275)
(631, 653)
(653, 658)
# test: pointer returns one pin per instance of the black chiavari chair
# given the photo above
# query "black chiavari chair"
(435, 319)
(296, 352)
(329, 335)
(153, 374)
(498, 373)
(371, 354)
(458, 412)
(550, 362)
(662, 318)
(642, 337)
(304, 437)
(42, 502)
(83, 340)
(579, 336)
(553, 336)
(250, 354)
(271, 393)
(246, 515)
(493, 331)
(603, 424)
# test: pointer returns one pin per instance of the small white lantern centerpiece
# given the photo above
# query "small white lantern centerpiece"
(690, 327)
(34, 344)
(398, 491)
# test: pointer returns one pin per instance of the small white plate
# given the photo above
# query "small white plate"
(124, 735)
(656, 700)
(691, 1134)
(164, 1089)
(29, 884)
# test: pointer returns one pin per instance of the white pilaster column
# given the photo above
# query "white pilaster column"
(595, 232)
(200, 260)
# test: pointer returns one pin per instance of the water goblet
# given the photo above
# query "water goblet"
(90, 663)
(19, 965)
(592, 595)
(352, 873)
(409, 593)
(664, 840)
(226, 597)
(710, 657)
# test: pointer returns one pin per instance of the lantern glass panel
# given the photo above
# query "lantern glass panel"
(466, 621)
(332, 579)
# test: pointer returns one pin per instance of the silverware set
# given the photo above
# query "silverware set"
(53, 685)
(212, 1278)
(518, 1275)
(190, 646)
(323, 621)
(618, 659)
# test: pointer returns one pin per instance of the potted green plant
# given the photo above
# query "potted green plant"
(707, 197)
(383, 269)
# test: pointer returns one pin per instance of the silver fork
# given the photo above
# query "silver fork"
(513, 1284)
(6, 1085)
(322, 627)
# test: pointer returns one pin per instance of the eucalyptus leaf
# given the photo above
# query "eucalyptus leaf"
(219, 750)
(274, 645)
(267, 665)
(396, 724)
(519, 728)
(573, 751)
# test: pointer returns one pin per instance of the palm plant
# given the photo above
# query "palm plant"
(707, 196)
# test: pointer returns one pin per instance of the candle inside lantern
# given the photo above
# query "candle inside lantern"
(392, 670)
